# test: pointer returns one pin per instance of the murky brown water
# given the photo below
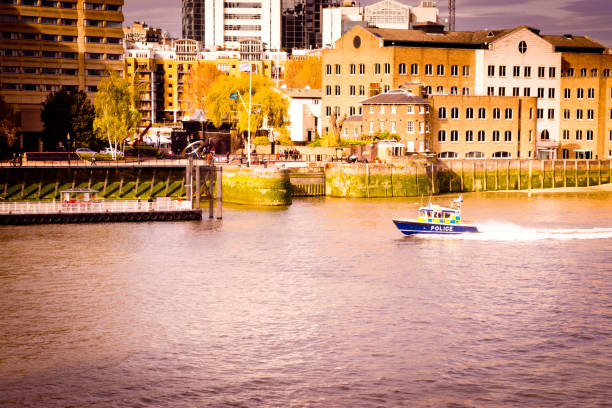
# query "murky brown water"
(323, 303)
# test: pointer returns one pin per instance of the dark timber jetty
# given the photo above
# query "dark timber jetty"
(80, 205)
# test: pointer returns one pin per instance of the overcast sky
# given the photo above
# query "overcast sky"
(578, 17)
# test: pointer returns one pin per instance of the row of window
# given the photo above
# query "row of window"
(242, 27)
(360, 90)
(579, 114)
(475, 155)
(410, 127)
(385, 68)
(11, 18)
(570, 72)
(242, 16)
(57, 54)
(410, 109)
(481, 136)
(578, 134)
(56, 38)
(516, 71)
(469, 113)
(44, 87)
(63, 4)
(38, 70)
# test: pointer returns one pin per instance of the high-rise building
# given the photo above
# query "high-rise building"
(47, 45)
(225, 24)
(302, 22)
(193, 19)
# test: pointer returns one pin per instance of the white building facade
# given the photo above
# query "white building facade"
(229, 22)
(304, 114)
(523, 63)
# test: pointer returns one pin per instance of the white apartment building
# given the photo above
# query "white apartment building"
(338, 20)
(229, 22)
(304, 113)
(522, 63)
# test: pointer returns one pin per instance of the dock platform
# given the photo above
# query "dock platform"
(56, 212)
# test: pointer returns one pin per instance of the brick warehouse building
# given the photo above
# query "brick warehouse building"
(48, 44)
(568, 76)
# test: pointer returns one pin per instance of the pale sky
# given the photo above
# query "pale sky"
(578, 17)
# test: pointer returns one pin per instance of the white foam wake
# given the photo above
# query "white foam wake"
(495, 231)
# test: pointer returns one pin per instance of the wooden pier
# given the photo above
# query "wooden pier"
(81, 205)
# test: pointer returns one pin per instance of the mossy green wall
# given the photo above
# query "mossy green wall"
(454, 176)
(256, 186)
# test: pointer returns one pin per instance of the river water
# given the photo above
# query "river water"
(323, 303)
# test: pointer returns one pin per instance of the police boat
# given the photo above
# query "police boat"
(436, 219)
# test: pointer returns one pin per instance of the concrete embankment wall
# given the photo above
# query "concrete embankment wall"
(256, 185)
(413, 178)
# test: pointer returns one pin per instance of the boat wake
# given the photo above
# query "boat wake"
(495, 231)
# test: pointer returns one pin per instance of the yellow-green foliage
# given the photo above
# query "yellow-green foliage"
(261, 141)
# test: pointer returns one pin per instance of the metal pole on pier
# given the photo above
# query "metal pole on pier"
(197, 189)
(219, 192)
(211, 170)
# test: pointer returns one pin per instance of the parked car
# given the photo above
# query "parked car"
(84, 150)
(108, 150)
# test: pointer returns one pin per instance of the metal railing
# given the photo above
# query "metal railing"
(111, 206)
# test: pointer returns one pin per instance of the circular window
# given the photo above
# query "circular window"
(522, 47)
(357, 41)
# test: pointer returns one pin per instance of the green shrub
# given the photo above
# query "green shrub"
(261, 141)
(142, 150)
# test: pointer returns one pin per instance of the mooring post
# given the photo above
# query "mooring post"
(189, 180)
(198, 190)
(219, 192)
(529, 180)
(211, 170)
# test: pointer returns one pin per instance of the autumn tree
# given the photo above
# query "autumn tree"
(67, 113)
(8, 125)
(197, 83)
(116, 114)
(268, 105)
(302, 72)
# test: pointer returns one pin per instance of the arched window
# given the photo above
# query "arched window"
(495, 135)
(448, 155)
(469, 113)
(474, 155)
(441, 136)
(442, 113)
(453, 90)
(508, 113)
(545, 135)
(469, 136)
(482, 113)
(454, 113)
(496, 113)
(583, 72)
(508, 136)
(502, 155)
(454, 136)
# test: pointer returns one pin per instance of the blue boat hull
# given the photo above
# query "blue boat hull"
(416, 227)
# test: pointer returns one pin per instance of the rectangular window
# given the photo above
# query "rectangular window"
(352, 90)
(526, 91)
(410, 127)
(328, 90)
(113, 24)
(414, 69)
(371, 127)
(491, 70)
(361, 69)
(410, 109)
(393, 109)
(454, 70)
(387, 68)
(541, 72)
(527, 72)
(490, 91)
(508, 136)
(591, 93)
(495, 136)
(502, 70)
(590, 114)
(551, 114)
(402, 69)
(482, 136)
(337, 69)
(466, 70)
(353, 69)
(361, 90)
(567, 93)
(566, 114)
(440, 70)
(328, 69)
(502, 91)
(516, 91)
(551, 93)
(540, 113)
(393, 126)
(69, 55)
(589, 135)
(377, 69)
(516, 71)
(551, 72)
(578, 113)
(540, 92)
(428, 69)
(337, 90)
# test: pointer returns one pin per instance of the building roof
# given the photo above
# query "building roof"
(396, 97)
(354, 118)
(303, 93)
(480, 39)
